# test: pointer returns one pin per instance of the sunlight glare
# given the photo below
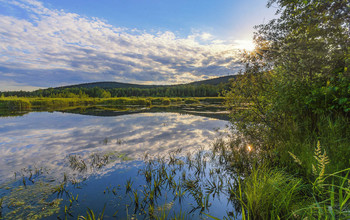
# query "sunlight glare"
(245, 45)
(249, 148)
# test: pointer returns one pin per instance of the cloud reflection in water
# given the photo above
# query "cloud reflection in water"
(47, 139)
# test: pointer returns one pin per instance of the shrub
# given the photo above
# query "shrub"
(191, 101)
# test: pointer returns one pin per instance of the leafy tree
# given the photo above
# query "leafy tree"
(298, 73)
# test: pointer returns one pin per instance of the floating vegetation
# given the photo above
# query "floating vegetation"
(31, 202)
(1, 202)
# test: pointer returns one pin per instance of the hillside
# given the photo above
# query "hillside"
(215, 81)
(112, 85)
(203, 88)
(108, 85)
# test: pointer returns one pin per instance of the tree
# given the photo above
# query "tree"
(299, 71)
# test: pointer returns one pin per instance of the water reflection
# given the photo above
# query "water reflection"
(43, 139)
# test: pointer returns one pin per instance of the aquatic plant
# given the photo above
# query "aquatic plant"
(128, 186)
(90, 215)
(31, 202)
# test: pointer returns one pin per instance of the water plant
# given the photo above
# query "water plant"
(128, 185)
(31, 202)
(90, 215)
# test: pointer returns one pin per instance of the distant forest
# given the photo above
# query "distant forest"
(203, 90)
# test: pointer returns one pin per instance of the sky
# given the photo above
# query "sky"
(62, 42)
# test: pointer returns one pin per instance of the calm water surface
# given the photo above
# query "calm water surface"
(51, 142)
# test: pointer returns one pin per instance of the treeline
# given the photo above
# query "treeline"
(204, 90)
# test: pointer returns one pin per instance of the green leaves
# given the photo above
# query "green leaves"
(332, 98)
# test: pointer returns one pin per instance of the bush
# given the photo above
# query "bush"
(191, 101)
(125, 101)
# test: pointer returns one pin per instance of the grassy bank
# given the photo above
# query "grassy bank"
(23, 104)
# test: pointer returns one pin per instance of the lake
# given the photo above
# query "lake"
(59, 164)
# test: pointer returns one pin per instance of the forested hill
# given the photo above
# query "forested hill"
(215, 81)
(108, 85)
(204, 88)
(113, 85)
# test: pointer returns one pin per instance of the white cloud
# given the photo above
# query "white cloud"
(54, 47)
(14, 86)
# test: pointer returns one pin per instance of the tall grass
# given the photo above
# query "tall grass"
(269, 194)
(330, 192)
(23, 103)
(15, 104)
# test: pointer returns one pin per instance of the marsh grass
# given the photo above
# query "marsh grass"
(177, 180)
(120, 103)
(269, 194)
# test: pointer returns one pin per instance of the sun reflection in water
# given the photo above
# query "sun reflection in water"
(250, 148)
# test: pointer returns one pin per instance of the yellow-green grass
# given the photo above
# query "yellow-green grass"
(29, 103)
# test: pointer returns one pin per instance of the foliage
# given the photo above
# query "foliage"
(9, 105)
(294, 92)
(188, 90)
(15, 104)
(296, 83)
(269, 194)
(126, 101)
(191, 101)
(331, 198)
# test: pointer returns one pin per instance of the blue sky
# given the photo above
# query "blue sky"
(59, 42)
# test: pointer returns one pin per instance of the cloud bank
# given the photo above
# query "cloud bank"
(43, 47)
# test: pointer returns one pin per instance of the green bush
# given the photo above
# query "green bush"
(213, 100)
(166, 101)
(125, 101)
(191, 101)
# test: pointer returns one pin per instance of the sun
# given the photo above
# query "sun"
(247, 45)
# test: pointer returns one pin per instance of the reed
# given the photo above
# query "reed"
(39, 103)
(90, 215)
